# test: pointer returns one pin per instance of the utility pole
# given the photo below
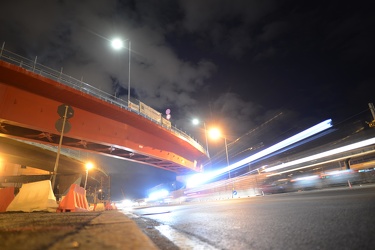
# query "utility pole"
(372, 109)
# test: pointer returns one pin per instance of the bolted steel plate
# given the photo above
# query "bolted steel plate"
(61, 111)
(59, 125)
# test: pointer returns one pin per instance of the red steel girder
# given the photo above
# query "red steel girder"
(28, 110)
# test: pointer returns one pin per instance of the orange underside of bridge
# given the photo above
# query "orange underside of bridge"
(28, 110)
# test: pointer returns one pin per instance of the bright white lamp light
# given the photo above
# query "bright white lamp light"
(117, 43)
(195, 121)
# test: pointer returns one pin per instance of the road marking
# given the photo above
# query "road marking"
(182, 241)
(185, 242)
(163, 212)
(127, 213)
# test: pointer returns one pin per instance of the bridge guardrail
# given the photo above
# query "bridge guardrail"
(37, 68)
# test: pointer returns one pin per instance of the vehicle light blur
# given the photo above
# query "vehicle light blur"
(311, 177)
(324, 154)
(160, 194)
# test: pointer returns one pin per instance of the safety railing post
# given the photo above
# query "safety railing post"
(35, 63)
(2, 48)
(60, 73)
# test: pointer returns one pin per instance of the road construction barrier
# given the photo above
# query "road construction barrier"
(6, 197)
(34, 196)
(99, 207)
(74, 201)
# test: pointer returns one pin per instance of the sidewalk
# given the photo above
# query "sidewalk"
(88, 230)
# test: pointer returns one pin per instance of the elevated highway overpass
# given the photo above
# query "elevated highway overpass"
(30, 94)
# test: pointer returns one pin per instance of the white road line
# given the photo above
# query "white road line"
(184, 242)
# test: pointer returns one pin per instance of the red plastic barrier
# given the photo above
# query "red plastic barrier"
(74, 201)
(6, 197)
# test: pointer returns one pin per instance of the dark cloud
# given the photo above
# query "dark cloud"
(272, 30)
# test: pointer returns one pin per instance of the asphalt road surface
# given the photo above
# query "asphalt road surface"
(341, 218)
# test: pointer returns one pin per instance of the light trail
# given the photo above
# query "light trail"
(323, 155)
(322, 163)
(201, 178)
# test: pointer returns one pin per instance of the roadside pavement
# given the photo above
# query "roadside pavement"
(87, 230)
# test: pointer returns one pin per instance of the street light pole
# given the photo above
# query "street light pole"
(89, 166)
(205, 133)
(215, 133)
(87, 173)
(118, 44)
(129, 52)
(226, 152)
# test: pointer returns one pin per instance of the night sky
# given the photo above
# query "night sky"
(237, 64)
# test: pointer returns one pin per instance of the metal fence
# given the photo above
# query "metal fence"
(59, 76)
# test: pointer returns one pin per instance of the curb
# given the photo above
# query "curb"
(110, 230)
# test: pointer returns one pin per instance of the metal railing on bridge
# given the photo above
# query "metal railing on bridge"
(139, 108)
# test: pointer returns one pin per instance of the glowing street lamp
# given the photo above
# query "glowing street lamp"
(196, 122)
(118, 44)
(89, 166)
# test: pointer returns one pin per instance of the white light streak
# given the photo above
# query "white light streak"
(311, 177)
(201, 178)
(322, 163)
(158, 194)
(291, 140)
(324, 154)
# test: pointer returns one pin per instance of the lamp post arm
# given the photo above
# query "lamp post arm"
(226, 151)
